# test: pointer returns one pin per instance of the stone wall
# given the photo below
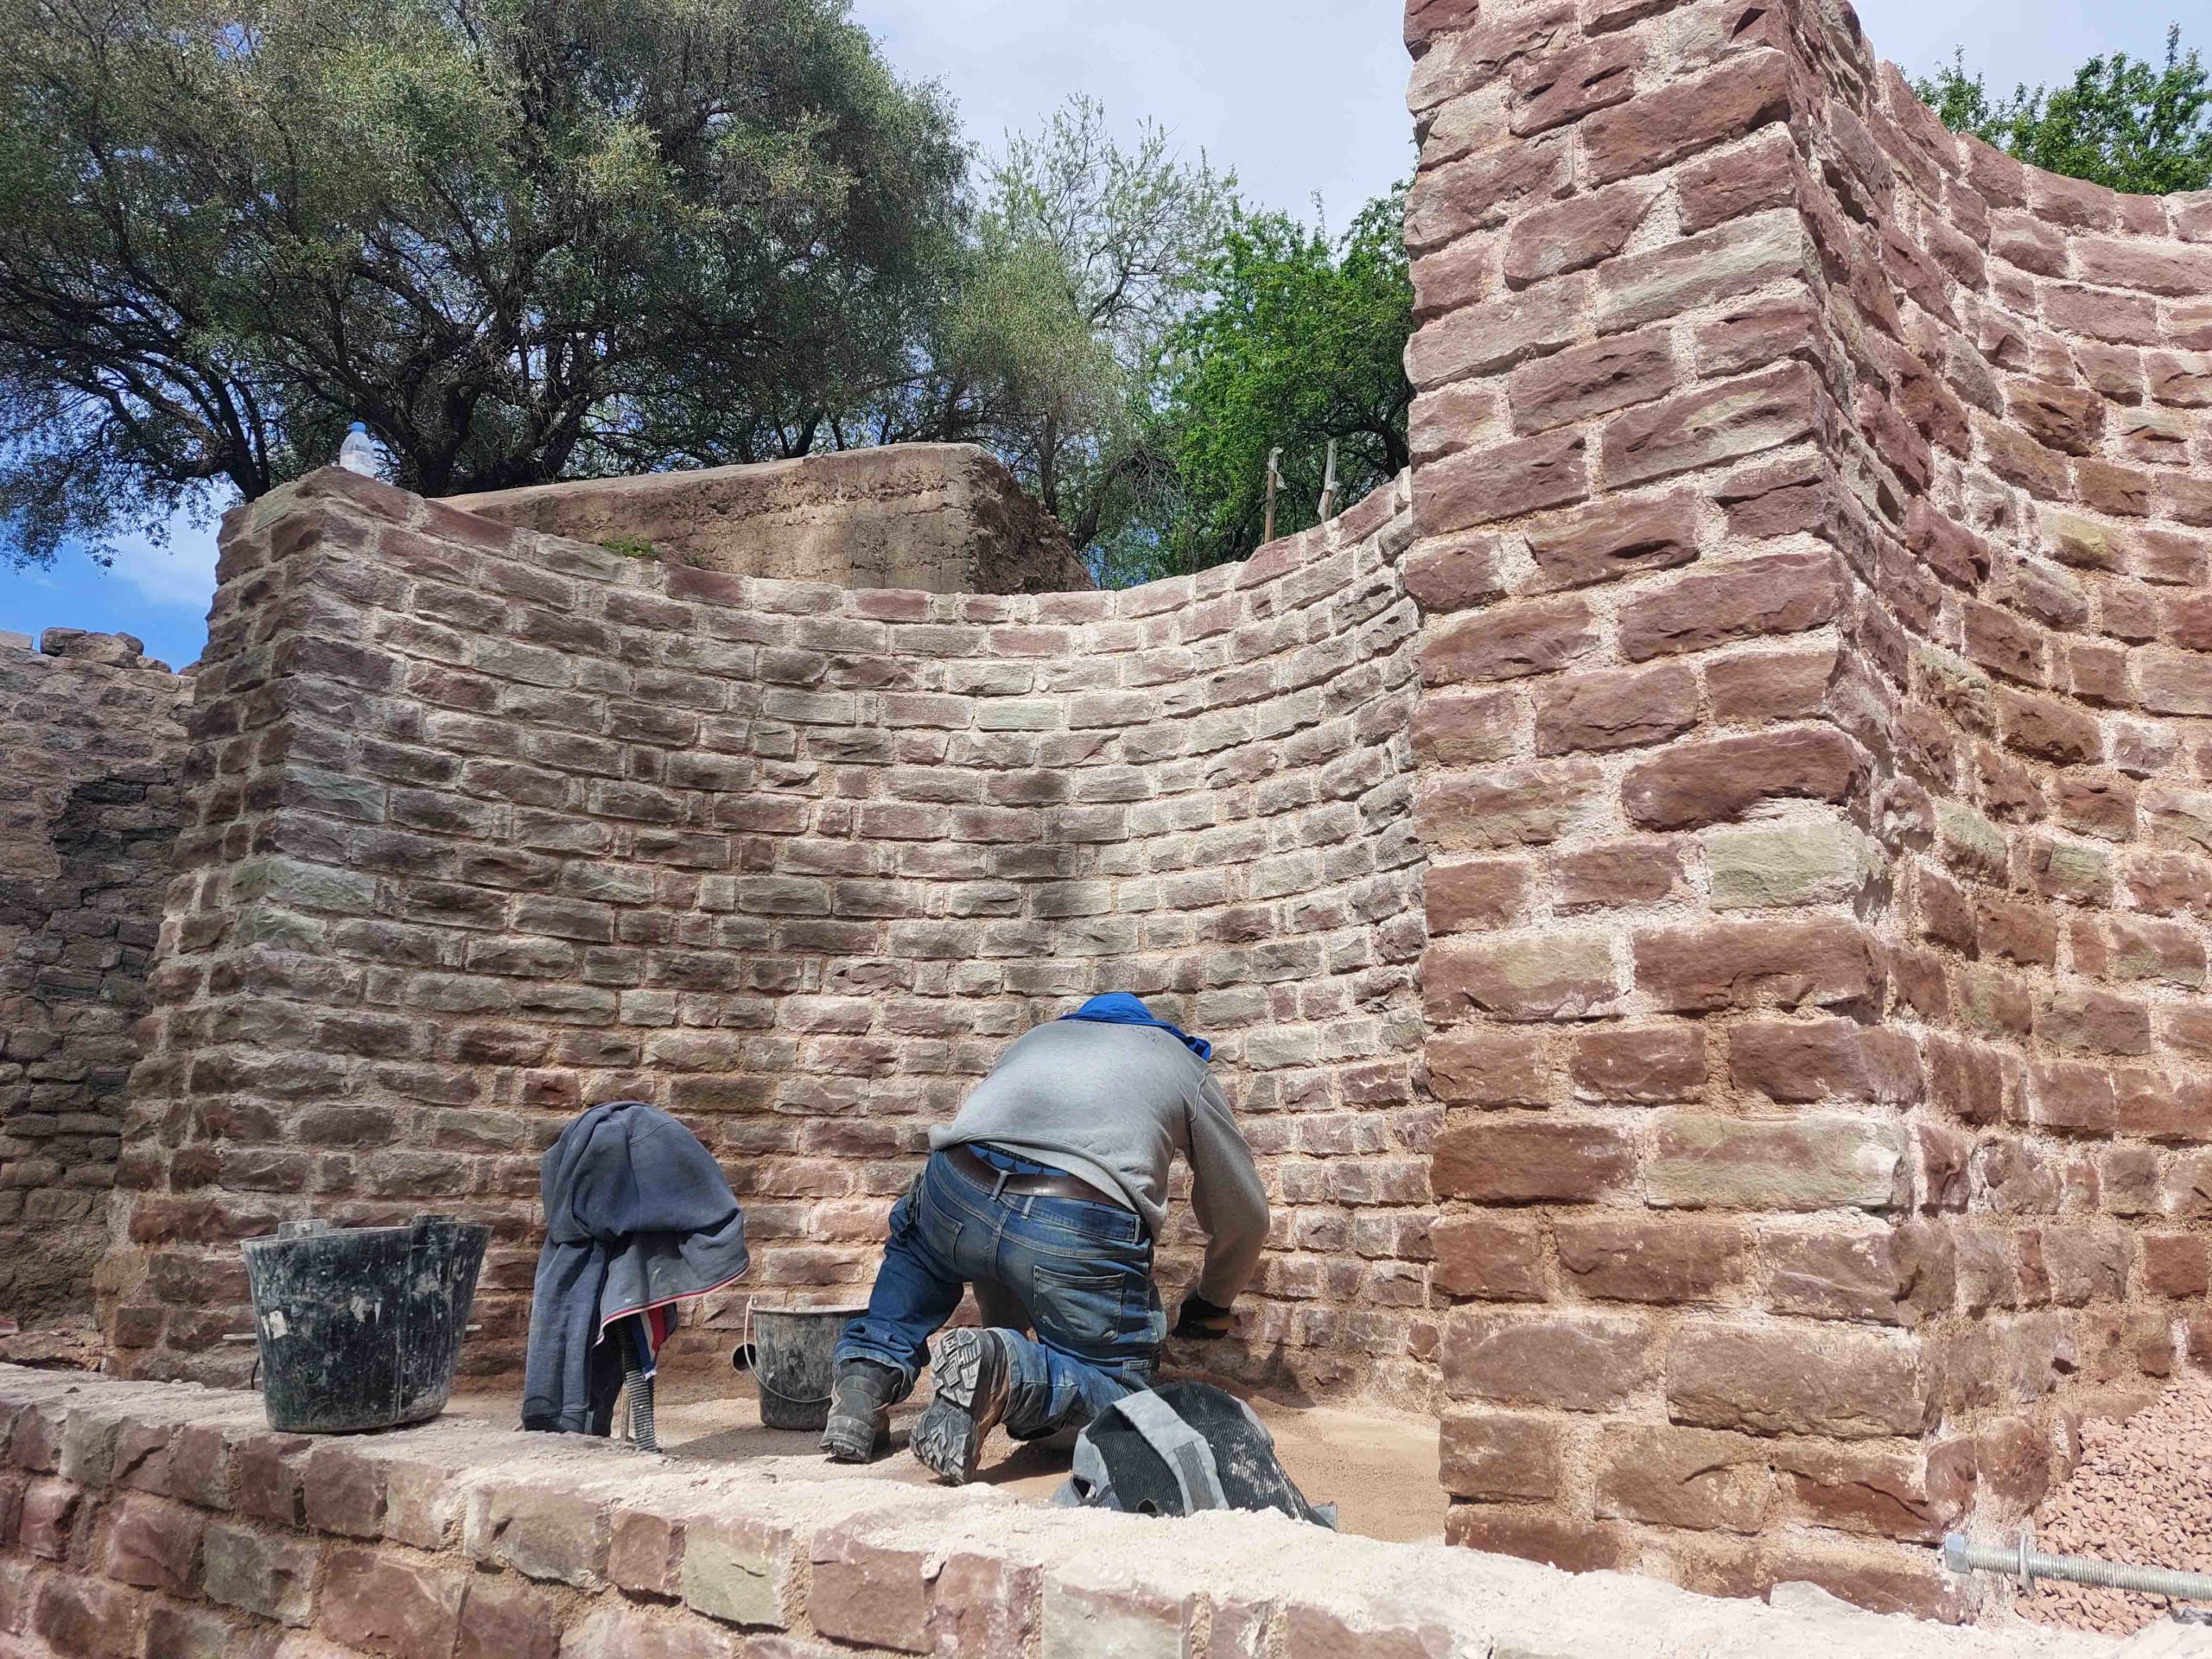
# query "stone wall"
(91, 741)
(496, 825)
(935, 518)
(1812, 517)
(169, 1523)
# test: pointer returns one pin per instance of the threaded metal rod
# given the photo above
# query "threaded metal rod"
(2026, 1564)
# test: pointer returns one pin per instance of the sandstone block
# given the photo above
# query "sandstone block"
(1531, 1162)
(1684, 1477)
(868, 1595)
(1493, 811)
(386, 1606)
(1789, 865)
(1488, 1260)
(155, 1546)
(1660, 1259)
(1827, 1059)
(1662, 127)
(1611, 539)
(1812, 1161)
(1497, 1456)
(1887, 1277)
(503, 1618)
(1476, 896)
(1483, 1068)
(1511, 642)
(1719, 780)
(1618, 875)
(737, 1571)
(1638, 1065)
(1589, 381)
(1738, 258)
(1623, 709)
(1884, 1493)
(1569, 1362)
(1846, 1385)
(1778, 593)
(1571, 235)
(259, 1573)
(1533, 1535)
(1486, 484)
(1756, 964)
(541, 1532)
(1552, 977)
(1698, 428)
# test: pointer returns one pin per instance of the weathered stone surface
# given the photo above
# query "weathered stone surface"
(1849, 1385)
(942, 518)
(1812, 1161)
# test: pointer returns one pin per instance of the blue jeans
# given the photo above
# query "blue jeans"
(1079, 1272)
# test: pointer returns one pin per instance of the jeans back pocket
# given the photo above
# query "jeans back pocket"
(1078, 1305)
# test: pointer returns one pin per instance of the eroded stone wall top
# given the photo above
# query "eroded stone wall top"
(936, 518)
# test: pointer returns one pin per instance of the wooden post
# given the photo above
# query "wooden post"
(1329, 484)
(1274, 483)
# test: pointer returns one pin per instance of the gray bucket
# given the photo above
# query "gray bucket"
(360, 1327)
(792, 1354)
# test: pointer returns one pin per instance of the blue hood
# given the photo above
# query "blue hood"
(1120, 1008)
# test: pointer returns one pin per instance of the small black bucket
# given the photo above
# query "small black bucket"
(360, 1327)
(793, 1354)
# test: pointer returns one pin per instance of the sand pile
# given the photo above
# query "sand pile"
(2143, 1495)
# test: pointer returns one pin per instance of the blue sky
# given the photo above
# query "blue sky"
(1299, 96)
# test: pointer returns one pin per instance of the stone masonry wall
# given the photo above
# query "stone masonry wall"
(488, 826)
(1811, 513)
(168, 1523)
(91, 740)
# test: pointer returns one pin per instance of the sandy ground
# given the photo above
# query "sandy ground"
(2142, 1497)
(1378, 1468)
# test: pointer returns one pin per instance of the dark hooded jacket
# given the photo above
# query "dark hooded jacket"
(638, 1216)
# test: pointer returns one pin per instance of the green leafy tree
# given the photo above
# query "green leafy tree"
(1297, 339)
(1083, 254)
(2123, 122)
(518, 238)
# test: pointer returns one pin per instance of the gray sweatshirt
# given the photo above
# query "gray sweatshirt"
(1112, 1105)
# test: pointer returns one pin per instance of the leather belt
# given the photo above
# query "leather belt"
(1056, 1185)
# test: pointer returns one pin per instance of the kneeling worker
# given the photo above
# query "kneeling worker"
(1046, 1192)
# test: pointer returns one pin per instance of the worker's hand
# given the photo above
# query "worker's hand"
(1201, 1321)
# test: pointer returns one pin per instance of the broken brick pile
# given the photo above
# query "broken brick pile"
(497, 825)
(92, 744)
(1812, 517)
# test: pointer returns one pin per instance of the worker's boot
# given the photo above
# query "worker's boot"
(860, 1410)
(971, 1373)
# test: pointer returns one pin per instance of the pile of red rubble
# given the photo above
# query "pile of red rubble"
(2142, 1495)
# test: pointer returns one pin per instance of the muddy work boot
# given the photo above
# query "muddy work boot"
(971, 1373)
(860, 1411)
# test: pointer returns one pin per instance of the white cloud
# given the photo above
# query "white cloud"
(180, 572)
(1296, 96)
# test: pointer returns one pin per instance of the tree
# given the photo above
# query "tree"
(2123, 122)
(518, 238)
(1295, 341)
(1083, 255)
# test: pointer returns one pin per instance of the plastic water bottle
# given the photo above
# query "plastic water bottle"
(358, 453)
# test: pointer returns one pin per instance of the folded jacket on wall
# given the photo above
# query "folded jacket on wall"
(638, 1216)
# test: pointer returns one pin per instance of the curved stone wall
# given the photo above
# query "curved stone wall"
(1813, 512)
(92, 741)
(493, 825)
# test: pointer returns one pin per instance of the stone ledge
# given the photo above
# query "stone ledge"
(156, 1519)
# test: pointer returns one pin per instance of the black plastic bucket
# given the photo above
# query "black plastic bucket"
(360, 1327)
(793, 1352)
